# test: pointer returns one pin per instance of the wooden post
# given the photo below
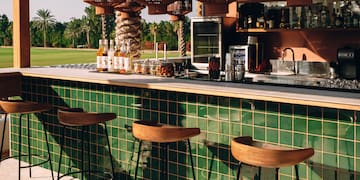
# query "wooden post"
(21, 34)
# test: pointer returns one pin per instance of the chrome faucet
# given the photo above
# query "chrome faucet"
(293, 57)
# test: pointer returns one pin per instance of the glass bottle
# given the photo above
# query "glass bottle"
(117, 56)
(127, 59)
(122, 55)
(101, 56)
(111, 57)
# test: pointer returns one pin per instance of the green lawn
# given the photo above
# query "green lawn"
(54, 56)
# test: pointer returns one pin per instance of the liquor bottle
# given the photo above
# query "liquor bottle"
(111, 57)
(122, 55)
(101, 56)
(117, 56)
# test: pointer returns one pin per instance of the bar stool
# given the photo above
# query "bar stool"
(76, 117)
(25, 108)
(259, 154)
(161, 133)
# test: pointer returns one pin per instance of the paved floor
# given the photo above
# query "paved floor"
(9, 171)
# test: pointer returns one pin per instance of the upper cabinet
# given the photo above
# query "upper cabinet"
(259, 16)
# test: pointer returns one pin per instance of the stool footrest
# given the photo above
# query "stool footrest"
(86, 171)
(24, 155)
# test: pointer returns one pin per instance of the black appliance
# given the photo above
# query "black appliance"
(349, 63)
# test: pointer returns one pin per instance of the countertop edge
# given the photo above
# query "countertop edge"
(291, 95)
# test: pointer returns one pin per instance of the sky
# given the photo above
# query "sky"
(64, 10)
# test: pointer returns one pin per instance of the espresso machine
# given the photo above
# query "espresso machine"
(349, 63)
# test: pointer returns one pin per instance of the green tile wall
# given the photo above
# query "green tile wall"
(333, 133)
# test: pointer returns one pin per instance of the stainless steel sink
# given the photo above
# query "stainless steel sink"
(288, 79)
(305, 68)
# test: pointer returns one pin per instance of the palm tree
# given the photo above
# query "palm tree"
(85, 27)
(43, 21)
(72, 30)
(153, 30)
(128, 27)
(180, 31)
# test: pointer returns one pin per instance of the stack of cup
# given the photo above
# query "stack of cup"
(229, 68)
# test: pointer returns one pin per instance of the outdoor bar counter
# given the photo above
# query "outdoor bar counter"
(288, 116)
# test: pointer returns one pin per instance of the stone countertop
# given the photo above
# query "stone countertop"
(293, 95)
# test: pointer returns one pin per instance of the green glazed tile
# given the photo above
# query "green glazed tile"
(346, 163)
(202, 100)
(272, 107)
(315, 142)
(172, 96)
(272, 136)
(346, 116)
(286, 109)
(191, 98)
(172, 107)
(299, 140)
(247, 104)
(259, 119)
(271, 121)
(235, 129)
(224, 114)
(202, 111)
(246, 130)
(314, 112)
(314, 126)
(246, 117)
(191, 109)
(299, 124)
(286, 122)
(330, 114)
(357, 127)
(330, 145)
(346, 147)
(163, 106)
(181, 97)
(225, 128)
(259, 106)
(330, 129)
(259, 134)
(213, 100)
(358, 149)
(213, 113)
(234, 115)
(224, 102)
(286, 138)
(346, 131)
(330, 160)
(235, 103)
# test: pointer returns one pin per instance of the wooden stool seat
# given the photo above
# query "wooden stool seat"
(22, 107)
(260, 154)
(162, 133)
(77, 117)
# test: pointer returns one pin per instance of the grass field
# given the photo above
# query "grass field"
(54, 56)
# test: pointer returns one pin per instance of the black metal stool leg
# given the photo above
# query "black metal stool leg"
(49, 155)
(110, 155)
(88, 152)
(138, 159)
(28, 137)
(191, 159)
(61, 148)
(82, 153)
(20, 119)
(297, 172)
(259, 172)
(3, 137)
(277, 173)
(238, 172)
(166, 161)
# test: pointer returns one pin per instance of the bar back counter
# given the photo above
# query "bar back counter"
(291, 117)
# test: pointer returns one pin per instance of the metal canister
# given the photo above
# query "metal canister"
(239, 72)
(229, 72)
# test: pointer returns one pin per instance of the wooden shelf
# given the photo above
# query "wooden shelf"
(260, 30)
